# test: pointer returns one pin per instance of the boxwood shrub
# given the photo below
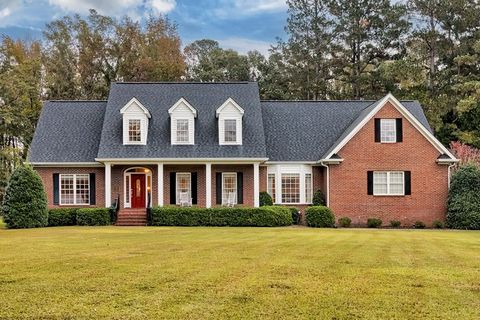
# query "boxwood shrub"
(267, 216)
(320, 217)
(295, 215)
(265, 199)
(374, 222)
(93, 217)
(62, 217)
(344, 222)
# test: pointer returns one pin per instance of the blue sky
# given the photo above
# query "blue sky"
(238, 24)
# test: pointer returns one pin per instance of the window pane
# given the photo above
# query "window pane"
(67, 189)
(388, 132)
(182, 130)
(183, 187)
(82, 195)
(229, 188)
(396, 183)
(290, 188)
(380, 183)
(271, 186)
(134, 132)
(308, 187)
(230, 130)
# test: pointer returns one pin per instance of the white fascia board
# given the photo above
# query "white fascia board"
(290, 162)
(226, 103)
(185, 102)
(404, 111)
(183, 160)
(135, 100)
(66, 164)
(447, 161)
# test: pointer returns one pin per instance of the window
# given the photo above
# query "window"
(184, 186)
(74, 189)
(134, 130)
(229, 188)
(271, 185)
(388, 183)
(230, 130)
(290, 188)
(182, 131)
(308, 187)
(388, 132)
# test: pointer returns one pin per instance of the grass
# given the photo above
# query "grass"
(238, 273)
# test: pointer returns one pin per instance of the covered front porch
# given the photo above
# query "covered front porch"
(143, 184)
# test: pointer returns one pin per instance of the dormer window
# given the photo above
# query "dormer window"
(135, 122)
(230, 116)
(182, 116)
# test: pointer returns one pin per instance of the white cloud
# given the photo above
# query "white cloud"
(161, 6)
(5, 12)
(115, 7)
(229, 10)
(243, 45)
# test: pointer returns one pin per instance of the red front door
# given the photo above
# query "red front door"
(138, 190)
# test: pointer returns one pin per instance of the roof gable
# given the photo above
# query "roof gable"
(135, 104)
(180, 103)
(229, 102)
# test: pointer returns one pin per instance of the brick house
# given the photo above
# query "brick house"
(212, 144)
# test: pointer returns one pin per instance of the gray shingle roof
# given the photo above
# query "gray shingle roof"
(205, 98)
(68, 131)
(307, 130)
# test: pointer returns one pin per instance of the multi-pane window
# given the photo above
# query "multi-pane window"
(290, 188)
(271, 185)
(388, 183)
(134, 130)
(229, 188)
(182, 131)
(184, 187)
(230, 127)
(74, 189)
(308, 187)
(388, 132)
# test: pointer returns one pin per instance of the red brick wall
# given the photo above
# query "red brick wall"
(200, 169)
(247, 170)
(348, 180)
(47, 177)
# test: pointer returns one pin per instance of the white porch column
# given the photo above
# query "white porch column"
(256, 185)
(160, 184)
(208, 185)
(108, 184)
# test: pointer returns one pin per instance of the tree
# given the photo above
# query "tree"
(25, 202)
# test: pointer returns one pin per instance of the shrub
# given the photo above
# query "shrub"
(295, 214)
(25, 201)
(464, 199)
(419, 225)
(320, 217)
(344, 222)
(62, 217)
(93, 217)
(267, 216)
(437, 224)
(395, 224)
(265, 199)
(374, 223)
(318, 198)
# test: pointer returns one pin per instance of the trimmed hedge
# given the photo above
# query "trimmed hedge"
(62, 217)
(295, 214)
(374, 223)
(25, 201)
(265, 199)
(320, 217)
(267, 216)
(93, 217)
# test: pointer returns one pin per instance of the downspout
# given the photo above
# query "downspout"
(449, 173)
(328, 182)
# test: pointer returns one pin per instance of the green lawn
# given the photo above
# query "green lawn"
(233, 273)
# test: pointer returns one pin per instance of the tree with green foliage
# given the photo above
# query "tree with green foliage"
(25, 201)
(464, 198)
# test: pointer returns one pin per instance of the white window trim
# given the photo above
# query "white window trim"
(238, 129)
(236, 184)
(269, 190)
(388, 184)
(394, 130)
(189, 135)
(142, 114)
(223, 115)
(177, 175)
(301, 169)
(175, 115)
(74, 189)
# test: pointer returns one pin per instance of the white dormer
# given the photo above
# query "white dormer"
(182, 117)
(135, 122)
(230, 116)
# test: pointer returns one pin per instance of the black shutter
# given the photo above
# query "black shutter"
(92, 189)
(408, 182)
(173, 188)
(218, 187)
(56, 188)
(377, 130)
(240, 187)
(193, 186)
(370, 182)
(399, 130)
